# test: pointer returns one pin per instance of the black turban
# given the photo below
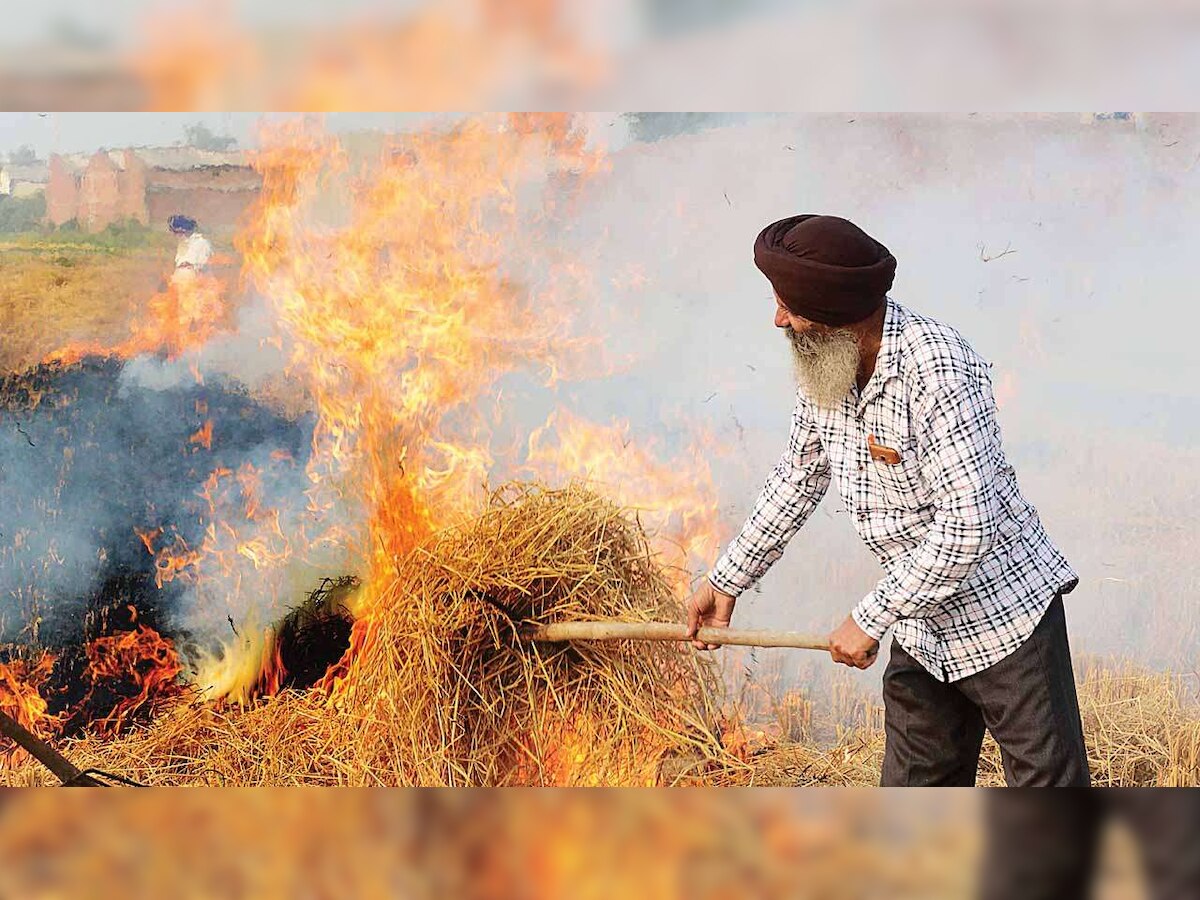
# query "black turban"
(824, 268)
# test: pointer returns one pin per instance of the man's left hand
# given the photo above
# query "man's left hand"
(851, 646)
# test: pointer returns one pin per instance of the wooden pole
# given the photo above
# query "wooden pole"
(672, 631)
(64, 770)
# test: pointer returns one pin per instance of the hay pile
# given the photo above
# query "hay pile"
(469, 702)
(442, 689)
(1142, 730)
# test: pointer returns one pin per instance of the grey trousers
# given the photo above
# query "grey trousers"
(1027, 701)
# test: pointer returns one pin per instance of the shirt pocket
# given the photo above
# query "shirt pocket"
(899, 486)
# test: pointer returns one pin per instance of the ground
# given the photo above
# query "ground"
(66, 286)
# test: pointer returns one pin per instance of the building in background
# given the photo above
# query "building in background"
(149, 184)
(23, 180)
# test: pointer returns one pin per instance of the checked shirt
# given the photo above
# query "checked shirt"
(969, 569)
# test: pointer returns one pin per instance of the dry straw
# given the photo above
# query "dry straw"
(1142, 730)
(442, 688)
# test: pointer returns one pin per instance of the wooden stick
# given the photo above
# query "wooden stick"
(64, 770)
(672, 631)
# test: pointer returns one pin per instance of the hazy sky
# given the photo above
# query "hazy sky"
(76, 132)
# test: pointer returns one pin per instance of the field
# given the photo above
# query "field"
(1143, 728)
(70, 286)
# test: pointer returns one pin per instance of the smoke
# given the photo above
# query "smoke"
(1044, 239)
(1050, 241)
(94, 453)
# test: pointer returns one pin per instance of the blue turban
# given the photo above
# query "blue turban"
(181, 224)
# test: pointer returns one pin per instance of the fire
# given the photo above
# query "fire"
(674, 492)
(203, 436)
(21, 683)
(405, 282)
(398, 319)
(148, 536)
(183, 317)
(123, 674)
(401, 320)
(441, 55)
(240, 527)
(140, 665)
(250, 670)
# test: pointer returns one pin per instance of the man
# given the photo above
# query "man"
(898, 410)
(194, 250)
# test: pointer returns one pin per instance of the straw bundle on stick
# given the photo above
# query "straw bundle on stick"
(468, 701)
(441, 687)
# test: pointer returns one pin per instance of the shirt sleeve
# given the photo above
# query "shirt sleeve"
(791, 493)
(960, 465)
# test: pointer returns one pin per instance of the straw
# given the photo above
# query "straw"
(442, 689)
(1142, 730)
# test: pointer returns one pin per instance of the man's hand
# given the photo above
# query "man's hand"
(851, 646)
(710, 607)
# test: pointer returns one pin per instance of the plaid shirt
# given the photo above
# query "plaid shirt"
(969, 567)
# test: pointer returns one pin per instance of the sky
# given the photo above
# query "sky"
(82, 132)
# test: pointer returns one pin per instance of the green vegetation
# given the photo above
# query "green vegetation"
(202, 137)
(27, 233)
(21, 213)
(23, 156)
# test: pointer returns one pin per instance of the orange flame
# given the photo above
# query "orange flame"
(674, 493)
(203, 437)
(20, 698)
(400, 320)
(142, 659)
(390, 273)
(185, 316)
(124, 673)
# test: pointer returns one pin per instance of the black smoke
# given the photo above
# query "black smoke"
(88, 455)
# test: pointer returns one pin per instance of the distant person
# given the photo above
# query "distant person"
(897, 410)
(194, 251)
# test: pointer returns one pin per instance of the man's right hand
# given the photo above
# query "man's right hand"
(707, 607)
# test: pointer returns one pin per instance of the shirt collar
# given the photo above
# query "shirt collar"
(887, 361)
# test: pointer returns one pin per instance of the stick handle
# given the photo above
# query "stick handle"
(64, 770)
(672, 631)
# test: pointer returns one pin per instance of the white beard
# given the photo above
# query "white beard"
(826, 364)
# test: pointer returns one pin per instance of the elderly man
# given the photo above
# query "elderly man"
(897, 409)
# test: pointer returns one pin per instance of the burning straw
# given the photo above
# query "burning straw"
(440, 688)
(480, 706)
